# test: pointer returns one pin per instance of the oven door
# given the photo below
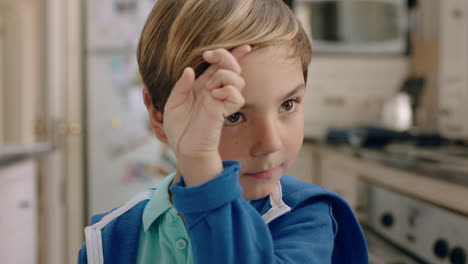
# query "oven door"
(383, 252)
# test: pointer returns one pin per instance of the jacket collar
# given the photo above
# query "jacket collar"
(159, 202)
(278, 206)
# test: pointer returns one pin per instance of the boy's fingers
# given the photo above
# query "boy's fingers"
(232, 98)
(237, 53)
(208, 73)
(223, 59)
(241, 51)
(223, 78)
(186, 80)
(182, 87)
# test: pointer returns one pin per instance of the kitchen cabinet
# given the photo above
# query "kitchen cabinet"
(340, 175)
(305, 167)
(317, 165)
(18, 206)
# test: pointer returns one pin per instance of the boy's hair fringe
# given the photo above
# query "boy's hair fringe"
(177, 32)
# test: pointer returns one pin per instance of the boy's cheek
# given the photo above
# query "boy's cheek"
(230, 145)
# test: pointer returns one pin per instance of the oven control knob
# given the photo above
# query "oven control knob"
(458, 256)
(387, 220)
(413, 217)
(441, 248)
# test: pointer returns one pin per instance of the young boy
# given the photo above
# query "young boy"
(225, 82)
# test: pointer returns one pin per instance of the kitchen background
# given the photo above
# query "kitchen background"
(386, 121)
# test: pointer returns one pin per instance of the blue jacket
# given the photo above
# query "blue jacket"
(297, 223)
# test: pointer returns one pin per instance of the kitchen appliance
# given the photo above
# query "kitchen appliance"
(402, 229)
(123, 156)
(356, 27)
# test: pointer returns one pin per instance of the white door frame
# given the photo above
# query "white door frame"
(65, 167)
(52, 220)
(74, 140)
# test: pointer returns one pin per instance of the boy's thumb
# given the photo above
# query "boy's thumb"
(185, 82)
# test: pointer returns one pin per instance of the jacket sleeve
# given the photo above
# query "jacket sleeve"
(225, 228)
(82, 258)
(82, 254)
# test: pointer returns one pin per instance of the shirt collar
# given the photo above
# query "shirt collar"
(159, 203)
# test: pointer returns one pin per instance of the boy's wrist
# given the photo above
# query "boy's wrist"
(199, 170)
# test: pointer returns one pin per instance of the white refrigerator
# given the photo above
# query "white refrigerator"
(123, 156)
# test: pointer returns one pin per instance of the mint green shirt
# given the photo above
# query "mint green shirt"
(163, 237)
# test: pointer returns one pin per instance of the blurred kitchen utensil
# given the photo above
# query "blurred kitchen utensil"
(398, 111)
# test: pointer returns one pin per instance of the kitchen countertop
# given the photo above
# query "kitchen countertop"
(428, 162)
(434, 163)
(10, 154)
(441, 187)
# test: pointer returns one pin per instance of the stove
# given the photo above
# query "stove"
(401, 229)
(382, 251)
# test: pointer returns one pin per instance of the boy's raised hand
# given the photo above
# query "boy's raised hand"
(195, 111)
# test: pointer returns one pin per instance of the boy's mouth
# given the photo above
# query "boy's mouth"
(263, 174)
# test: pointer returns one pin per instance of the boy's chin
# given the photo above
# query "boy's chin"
(257, 192)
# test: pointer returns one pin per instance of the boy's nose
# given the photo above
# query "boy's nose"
(266, 138)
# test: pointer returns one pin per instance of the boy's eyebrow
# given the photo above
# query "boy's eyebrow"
(294, 91)
(289, 94)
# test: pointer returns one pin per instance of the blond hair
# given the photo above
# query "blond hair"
(177, 33)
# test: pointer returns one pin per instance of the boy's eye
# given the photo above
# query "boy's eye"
(289, 105)
(233, 119)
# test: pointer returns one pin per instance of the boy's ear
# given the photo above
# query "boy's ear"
(155, 117)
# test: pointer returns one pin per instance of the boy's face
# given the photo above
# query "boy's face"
(267, 133)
